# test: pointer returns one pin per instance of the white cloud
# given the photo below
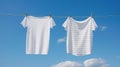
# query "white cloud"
(61, 40)
(68, 64)
(94, 62)
(103, 28)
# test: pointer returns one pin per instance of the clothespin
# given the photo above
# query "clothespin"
(69, 16)
(26, 14)
(91, 14)
(50, 15)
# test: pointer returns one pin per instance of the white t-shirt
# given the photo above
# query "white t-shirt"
(79, 35)
(38, 34)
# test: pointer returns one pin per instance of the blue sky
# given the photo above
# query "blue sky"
(106, 43)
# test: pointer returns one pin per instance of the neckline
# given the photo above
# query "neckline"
(41, 17)
(80, 21)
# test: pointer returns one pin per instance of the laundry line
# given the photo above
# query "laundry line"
(102, 16)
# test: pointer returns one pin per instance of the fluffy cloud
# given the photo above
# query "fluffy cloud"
(68, 64)
(103, 28)
(61, 40)
(94, 62)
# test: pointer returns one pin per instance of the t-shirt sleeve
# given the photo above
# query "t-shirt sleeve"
(65, 24)
(24, 22)
(94, 25)
(52, 23)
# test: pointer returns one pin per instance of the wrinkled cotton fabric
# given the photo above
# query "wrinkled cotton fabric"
(79, 35)
(38, 34)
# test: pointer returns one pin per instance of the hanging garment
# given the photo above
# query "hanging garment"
(38, 33)
(79, 35)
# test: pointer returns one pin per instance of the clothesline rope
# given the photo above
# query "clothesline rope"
(117, 15)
